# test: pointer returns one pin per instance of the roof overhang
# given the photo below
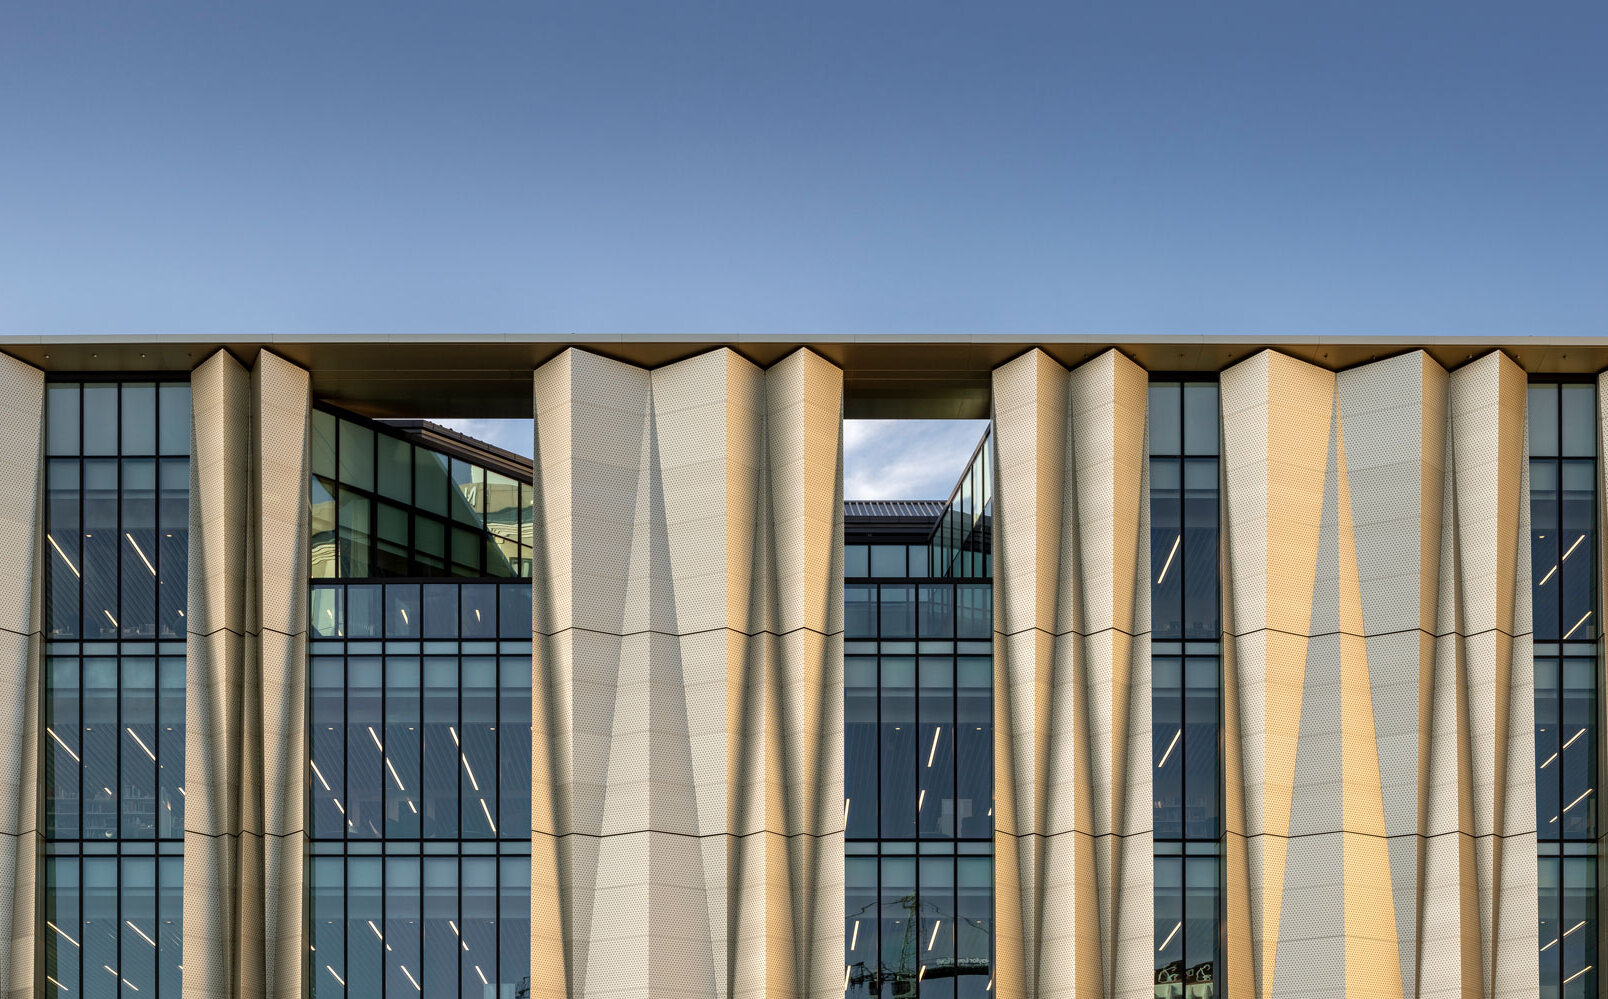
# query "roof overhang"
(886, 375)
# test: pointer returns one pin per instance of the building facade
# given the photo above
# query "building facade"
(1228, 669)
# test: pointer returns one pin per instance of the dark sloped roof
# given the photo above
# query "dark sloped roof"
(889, 509)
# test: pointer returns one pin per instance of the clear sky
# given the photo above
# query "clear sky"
(876, 165)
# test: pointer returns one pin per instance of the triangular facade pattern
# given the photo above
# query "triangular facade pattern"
(687, 820)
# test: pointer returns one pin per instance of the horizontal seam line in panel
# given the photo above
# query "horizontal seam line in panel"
(1078, 634)
(685, 835)
(681, 634)
(1358, 832)
(1381, 634)
(258, 835)
(23, 634)
(1072, 832)
(231, 631)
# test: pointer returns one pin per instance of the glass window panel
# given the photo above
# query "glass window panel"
(860, 611)
(326, 722)
(1200, 923)
(976, 616)
(1578, 755)
(63, 555)
(1544, 550)
(173, 418)
(364, 615)
(138, 735)
(100, 418)
(326, 918)
(100, 549)
(1579, 926)
(365, 759)
(502, 506)
(935, 744)
(856, 561)
(323, 444)
(1164, 418)
(898, 930)
(441, 766)
(1199, 569)
(513, 925)
(1167, 548)
(173, 546)
(100, 928)
(356, 519)
(478, 616)
(395, 468)
(478, 708)
(1543, 418)
(139, 930)
(430, 544)
(431, 484)
(861, 927)
(937, 612)
(1169, 927)
(1577, 572)
(1202, 714)
(402, 747)
(514, 610)
(888, 560)
(477, 954)
(99, 742)
(440, 610)
(935, 921)
(1167, 747)
(860, 746)
(897, 809)
(974, 927)
(1578, 418)
(402, 610)
(514, 747)
(61, 418)
(365, 913)
(138, 423)
(391, 541)
(356, 455)
(137, 594)
(324, 538)
(62, 748)
(328, 612)
(1200, 418)
(1548, 721)
(170, 944)
(468, 498)
(466, 550)
(438, 975)
(897, 611)
(974, 747)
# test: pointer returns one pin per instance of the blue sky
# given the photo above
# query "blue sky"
(827, 166)
(730, 167)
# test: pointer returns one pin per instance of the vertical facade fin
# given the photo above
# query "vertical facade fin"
(1073, 883)
(244, 932)
(687, 831)
(22, 400)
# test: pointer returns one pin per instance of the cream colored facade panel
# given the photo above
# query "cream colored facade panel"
(22, 401)
(244, 926)
(688, 687)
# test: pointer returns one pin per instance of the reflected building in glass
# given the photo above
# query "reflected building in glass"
(1221, 671)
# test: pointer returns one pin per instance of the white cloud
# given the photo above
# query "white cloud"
(906, 459)
(882, 459)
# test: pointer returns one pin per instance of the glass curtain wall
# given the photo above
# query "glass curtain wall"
(962, 541)
(1186, 696)
(117, 484)
(918, 775)
(385, 506)
(1563, 567)
(419, 721)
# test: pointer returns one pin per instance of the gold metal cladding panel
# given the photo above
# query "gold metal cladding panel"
(22, 399)
(1073, 876)
(1384, 724)
(244, 927)
(687, 758)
